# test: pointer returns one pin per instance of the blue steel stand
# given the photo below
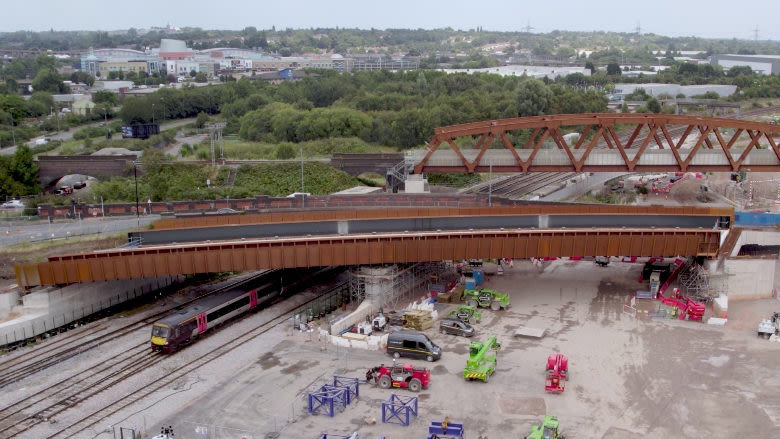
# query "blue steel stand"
(399, 409)
(334, 397)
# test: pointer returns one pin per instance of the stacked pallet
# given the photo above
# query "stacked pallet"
(419, 320)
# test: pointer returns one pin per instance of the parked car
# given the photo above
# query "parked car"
(13, 204)
(456, 327)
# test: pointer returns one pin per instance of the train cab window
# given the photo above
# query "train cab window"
(159, 331)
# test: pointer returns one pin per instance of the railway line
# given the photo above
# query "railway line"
(33, 361)
(72, 391)
(517, 186)
(90, 419)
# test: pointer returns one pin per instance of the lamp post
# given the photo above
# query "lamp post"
(303, 197)
(12, 126)
(135, 177)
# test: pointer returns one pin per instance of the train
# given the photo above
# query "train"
(186, 325)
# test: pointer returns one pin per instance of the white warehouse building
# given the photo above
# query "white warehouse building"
(763, 64)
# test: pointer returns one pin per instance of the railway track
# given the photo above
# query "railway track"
(95, 417)
(20, 367)
(519, 185)
(72, 391)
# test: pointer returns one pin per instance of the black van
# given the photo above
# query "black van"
(413, 345)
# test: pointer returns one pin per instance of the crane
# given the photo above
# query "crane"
(481, 362)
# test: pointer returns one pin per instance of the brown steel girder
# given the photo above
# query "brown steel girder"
(604, 124)
(364, 249)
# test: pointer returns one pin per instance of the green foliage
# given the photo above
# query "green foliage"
(105, 96)
(613, 69)
(187, 182)
(88, 132)
(450, 179)
(639, 94)
(48, 80)
(201, 120)
(18, 173)
(283, 179)
(285, 151)
(534, 98)
(653, 105)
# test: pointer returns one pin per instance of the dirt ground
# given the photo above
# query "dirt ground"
(631, 377)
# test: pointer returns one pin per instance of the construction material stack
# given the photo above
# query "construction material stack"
(419, 320)
(769, 327)
(482, 363)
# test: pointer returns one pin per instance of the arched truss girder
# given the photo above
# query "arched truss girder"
(607, 142)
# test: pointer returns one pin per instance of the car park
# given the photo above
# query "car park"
(456, 327)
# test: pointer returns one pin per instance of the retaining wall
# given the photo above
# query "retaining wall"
(50, 308)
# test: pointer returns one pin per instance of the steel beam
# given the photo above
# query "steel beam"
(723, 138)
(365, 249)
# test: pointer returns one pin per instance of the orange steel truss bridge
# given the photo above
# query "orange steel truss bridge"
(606, 142)
(423, 234)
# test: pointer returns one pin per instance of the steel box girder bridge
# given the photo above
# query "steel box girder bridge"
(607, 142)
(313, 248)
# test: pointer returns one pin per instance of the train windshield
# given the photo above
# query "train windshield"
(159, 331)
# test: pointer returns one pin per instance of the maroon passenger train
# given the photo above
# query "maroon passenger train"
(185, 325)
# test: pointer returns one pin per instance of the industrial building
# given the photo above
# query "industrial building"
(763, 64)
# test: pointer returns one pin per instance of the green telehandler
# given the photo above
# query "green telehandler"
(486, 298)
(466, 314)
(482, 363)
(547, 430)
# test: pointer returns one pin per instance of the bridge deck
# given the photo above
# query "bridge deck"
(491, 233)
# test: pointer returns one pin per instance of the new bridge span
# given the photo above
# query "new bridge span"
(398, 235)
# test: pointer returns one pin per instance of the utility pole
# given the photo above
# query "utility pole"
(303, 196)
(135, 177)
(12, 126)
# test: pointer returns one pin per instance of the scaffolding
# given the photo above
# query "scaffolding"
(698, 283)
(386, 285)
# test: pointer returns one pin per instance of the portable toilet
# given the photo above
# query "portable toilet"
(470, 283)
(479, 276)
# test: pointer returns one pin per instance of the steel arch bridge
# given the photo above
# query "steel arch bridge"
(605, 142)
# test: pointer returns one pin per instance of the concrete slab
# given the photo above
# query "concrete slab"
(525, 331)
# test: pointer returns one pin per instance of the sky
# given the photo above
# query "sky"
(675, 18)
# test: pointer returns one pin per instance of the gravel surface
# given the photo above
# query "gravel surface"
(630, 377)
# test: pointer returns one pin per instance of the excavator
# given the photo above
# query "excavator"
(482, 363)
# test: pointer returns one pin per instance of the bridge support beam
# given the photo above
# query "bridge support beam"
(350, 250)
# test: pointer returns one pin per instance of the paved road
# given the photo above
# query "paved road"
(68, 135)
(14, 232)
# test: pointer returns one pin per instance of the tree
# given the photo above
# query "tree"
(613, 69)
(589, 65)
(534, 98)
(193, 73)
(201, 120)
(201, 77)
(105, 96)
(653, 105)
(48, 80)
(24, 170)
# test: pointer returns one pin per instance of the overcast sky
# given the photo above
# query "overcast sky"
(711, 18)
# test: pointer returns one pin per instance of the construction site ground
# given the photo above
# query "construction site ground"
(630, 377)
